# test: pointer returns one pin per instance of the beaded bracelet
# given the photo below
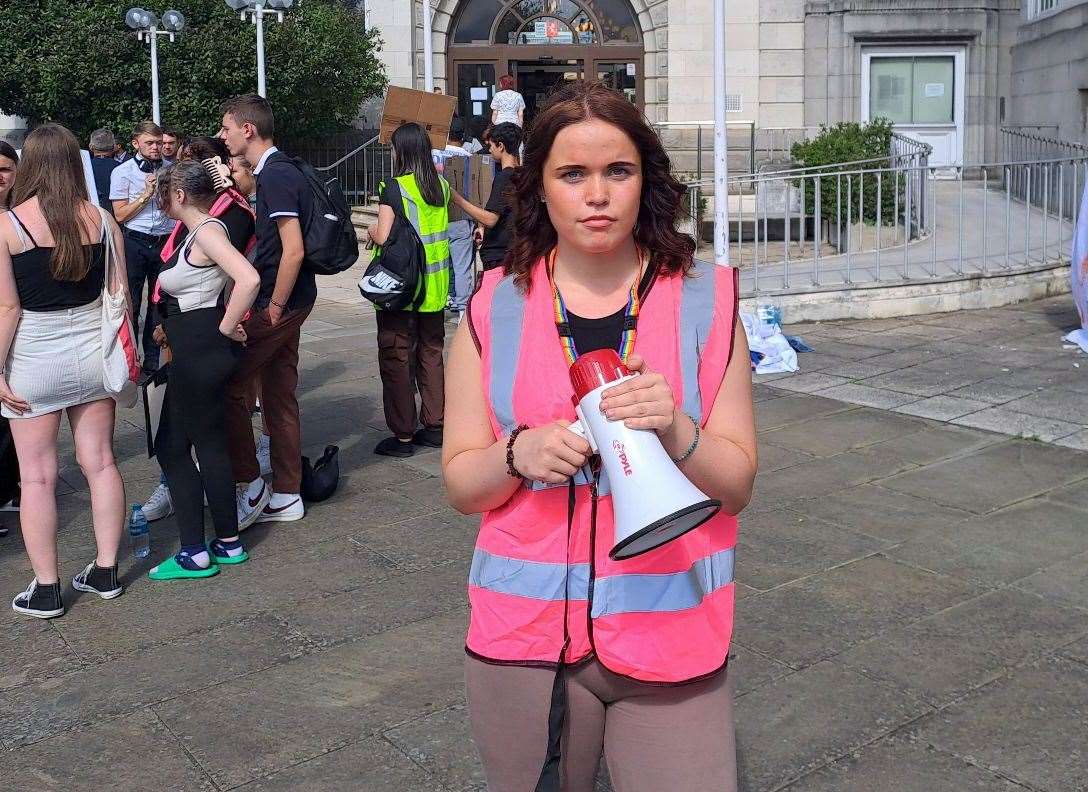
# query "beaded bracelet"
(510, 469)
(694, 442)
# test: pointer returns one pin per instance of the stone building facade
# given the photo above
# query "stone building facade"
(1050, 68)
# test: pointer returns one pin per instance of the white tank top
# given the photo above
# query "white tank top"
(194, 287)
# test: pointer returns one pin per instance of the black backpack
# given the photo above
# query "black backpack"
(328, 237)
(394, 279)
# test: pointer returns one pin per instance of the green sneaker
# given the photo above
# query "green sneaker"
(171, 569)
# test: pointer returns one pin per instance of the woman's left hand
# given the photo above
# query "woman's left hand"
(642, 402)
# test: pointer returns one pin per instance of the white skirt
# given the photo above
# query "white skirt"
(56, 360)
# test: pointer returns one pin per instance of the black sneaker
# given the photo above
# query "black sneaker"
(431, 437)
(98, 580)
(39, 601)
(393, 447)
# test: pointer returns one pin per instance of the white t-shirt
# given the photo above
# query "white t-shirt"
(507, 104)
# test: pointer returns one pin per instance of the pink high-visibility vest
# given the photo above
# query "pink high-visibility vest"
(664, 616)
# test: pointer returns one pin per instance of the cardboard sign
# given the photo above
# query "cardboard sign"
(475, 185)
(432, 111)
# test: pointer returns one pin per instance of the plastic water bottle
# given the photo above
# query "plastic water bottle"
(139, 533)
(769, 314)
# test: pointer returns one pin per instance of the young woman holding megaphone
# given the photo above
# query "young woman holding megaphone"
(602, 601)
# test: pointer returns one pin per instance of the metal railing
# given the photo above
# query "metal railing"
(1024, 142)
(358, 166)
(807, 230)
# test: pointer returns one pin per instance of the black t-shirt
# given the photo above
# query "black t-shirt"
(497, 239)
(606, 332)
(102, 167)
(282, 191)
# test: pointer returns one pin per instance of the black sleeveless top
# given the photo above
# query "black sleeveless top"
(40, 291)
(606, 332)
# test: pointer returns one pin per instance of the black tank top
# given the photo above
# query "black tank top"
(40, 291)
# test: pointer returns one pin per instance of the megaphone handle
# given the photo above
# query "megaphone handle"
(580, 429)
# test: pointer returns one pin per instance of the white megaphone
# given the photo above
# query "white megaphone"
(652, 500)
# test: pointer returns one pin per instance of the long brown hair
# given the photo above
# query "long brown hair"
(51, 169)
(661, 207)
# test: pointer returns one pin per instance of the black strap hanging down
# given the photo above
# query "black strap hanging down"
(550, 777)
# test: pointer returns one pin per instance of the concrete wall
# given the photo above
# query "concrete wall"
(836, 31)
(1050, 73)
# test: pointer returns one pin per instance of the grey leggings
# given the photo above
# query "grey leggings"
(653, 737)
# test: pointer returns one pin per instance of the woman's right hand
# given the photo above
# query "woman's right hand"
(551, 453)
(159, 336)
(237, 334)
(17, 404)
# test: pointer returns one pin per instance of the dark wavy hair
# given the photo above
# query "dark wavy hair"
(661, 207)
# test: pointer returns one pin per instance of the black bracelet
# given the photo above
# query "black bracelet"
(510, 469)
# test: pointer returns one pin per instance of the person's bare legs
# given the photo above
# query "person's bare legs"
(36, 446)
(92, 429)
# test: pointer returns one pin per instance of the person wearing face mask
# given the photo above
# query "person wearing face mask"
(145, 225)
(570, 652)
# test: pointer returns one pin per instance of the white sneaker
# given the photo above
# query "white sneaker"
(252, 498)
(264, 455)
(158, 504)
(283, 508)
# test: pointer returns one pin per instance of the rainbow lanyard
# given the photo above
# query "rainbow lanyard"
(562, 318)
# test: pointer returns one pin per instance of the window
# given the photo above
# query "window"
(733, 103)
(621, 77)
(912, 90)
(539, 22)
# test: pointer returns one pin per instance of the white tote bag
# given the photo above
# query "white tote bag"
(120, 357)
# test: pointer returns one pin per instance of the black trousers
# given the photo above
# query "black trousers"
(194, 416)
(143, 264)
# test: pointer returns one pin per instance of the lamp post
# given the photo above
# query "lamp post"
(721, 161)
(146, 24)
(256, 11)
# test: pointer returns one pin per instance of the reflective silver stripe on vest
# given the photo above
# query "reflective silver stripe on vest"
(428, 239)
(678, 591)
(507, 310)
(437, 266)
(413, 210)
(696, 318)
(532, 579)
(612, 595)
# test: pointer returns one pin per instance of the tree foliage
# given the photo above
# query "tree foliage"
(75, 62)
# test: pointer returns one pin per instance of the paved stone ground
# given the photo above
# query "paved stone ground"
(1002, 369)
(913, 606)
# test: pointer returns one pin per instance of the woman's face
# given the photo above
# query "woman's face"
(242, 174)
(7, 177)
(593, 186)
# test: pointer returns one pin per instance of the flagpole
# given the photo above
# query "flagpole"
(721, 165)
(428, 48)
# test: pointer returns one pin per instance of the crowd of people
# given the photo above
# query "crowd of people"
(580, 253)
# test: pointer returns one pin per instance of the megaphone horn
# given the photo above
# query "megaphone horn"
(653, 502)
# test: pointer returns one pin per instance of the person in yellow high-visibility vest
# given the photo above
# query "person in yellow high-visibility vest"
(407, 337)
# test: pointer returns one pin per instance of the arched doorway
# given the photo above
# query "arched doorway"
(542, 43)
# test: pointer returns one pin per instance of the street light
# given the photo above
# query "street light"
(256, 10)
(146, 24)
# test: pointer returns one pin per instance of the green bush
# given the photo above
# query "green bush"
(75, 62)
(848, 142)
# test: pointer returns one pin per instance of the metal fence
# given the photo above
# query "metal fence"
(356, 159)
(904, 220)
(1036, 185)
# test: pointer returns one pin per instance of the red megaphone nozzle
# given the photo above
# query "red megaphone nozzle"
(594, 369)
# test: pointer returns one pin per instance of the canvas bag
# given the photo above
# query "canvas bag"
(120, 358)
